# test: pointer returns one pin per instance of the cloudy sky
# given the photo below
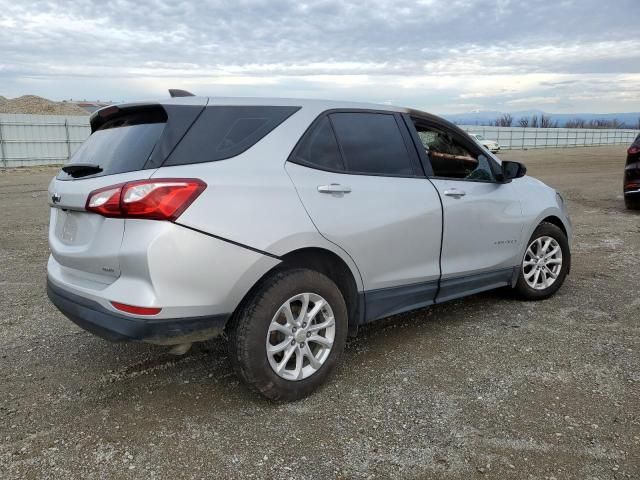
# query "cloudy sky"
(442, 56)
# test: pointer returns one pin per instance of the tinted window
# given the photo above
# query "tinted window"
(118, 149)
(226, 131)
(449, 159)
(372, 143)
(319, 148)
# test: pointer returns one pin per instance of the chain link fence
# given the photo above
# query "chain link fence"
(519, 138)
(29, 140)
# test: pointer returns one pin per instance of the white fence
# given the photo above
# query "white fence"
(518, 138)
(40, 139)
(48, 139)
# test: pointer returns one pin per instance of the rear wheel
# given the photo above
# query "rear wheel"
(288, 338)
(545, 263)
(632, 203)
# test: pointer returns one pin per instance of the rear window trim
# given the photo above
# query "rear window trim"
(411, 153)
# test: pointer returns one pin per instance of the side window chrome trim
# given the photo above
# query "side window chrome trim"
(345, 172)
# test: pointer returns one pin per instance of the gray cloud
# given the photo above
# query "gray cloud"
(438, 55)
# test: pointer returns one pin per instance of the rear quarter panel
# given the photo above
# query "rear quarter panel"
(251, 200)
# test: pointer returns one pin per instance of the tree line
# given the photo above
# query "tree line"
(545, 121)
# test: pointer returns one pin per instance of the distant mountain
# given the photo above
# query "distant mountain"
(488, 117)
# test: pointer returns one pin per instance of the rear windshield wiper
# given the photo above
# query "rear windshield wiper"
(81, 169)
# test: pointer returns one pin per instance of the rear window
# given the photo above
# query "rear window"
(223, 132)
(144, 137)
(118, 150)
(122, 144)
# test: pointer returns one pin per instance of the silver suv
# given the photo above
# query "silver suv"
(285, 224)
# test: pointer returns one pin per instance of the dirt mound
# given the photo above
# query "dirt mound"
(33, 104)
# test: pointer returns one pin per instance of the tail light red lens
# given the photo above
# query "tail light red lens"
(633, 150)
(123, 307)
(105, 201)
(154, 199)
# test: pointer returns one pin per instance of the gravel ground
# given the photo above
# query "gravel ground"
(485, 387)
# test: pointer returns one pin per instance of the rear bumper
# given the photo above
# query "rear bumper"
(94, 318)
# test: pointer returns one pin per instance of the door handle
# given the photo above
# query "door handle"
(454, 192)
(334, 188)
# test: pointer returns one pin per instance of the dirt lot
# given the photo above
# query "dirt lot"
(485, 387)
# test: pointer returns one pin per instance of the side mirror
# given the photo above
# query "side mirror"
(511, 170)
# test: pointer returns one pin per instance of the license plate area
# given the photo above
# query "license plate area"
(86, 242)
(75, 228)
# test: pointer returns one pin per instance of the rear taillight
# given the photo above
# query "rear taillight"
(154, 199)
(105, 201)
(633, 150)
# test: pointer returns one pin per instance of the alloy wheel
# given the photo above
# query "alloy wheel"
(300, 336)
(542, 262)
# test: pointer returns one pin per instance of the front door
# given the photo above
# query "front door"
(483, 222)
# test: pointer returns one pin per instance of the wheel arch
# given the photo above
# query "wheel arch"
(547, 217)
(333, 266)
(555, 220)
(328, 263)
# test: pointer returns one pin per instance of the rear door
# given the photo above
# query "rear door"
(358, 176)
(483, 221)
(118, 150)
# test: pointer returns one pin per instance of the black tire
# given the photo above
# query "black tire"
(250, 326)
(522, 289)
(632, 203)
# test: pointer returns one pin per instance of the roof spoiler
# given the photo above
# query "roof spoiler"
(154, 112)
(175, 92)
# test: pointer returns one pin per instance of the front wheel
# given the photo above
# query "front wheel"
(545, 263)
(289, 336)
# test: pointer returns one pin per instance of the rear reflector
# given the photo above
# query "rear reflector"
(153, 199)
(136, 310)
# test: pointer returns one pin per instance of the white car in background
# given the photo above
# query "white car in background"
(490, 145)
